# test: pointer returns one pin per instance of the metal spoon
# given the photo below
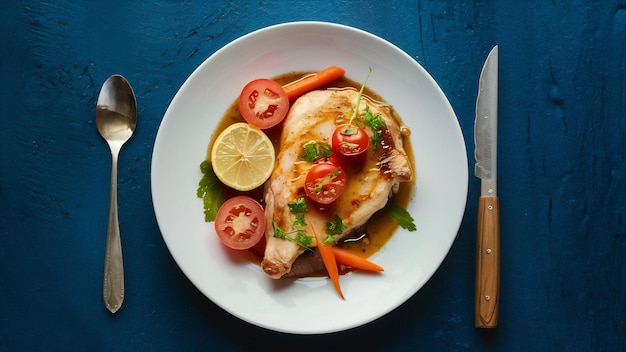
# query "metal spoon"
(116, 119)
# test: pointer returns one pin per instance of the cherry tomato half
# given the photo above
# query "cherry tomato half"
(263, 103)
(324, 183)
(350, 140)
(240, 222)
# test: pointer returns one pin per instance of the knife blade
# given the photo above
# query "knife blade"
(488, 226)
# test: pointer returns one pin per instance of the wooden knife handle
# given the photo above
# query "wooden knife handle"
(487, 263)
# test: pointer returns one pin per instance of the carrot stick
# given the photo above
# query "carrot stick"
(326, 251)
(352, 260)
(316, 80)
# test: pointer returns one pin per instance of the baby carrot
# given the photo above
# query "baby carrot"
(316, 80)
(326, 251)
(352, 260)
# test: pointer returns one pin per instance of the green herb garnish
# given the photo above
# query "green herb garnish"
(335, 226)
(303, 239)
(298, 236)
(400, 215)
(210, 191)
(315, 150)
(298, 208)
(377, 124)
(330, 240)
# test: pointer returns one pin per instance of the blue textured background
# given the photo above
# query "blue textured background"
(562, 173)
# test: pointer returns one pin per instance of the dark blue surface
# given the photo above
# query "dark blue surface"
(562, 135)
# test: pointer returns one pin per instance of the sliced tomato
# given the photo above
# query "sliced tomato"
(240, 222)
(263, 103)
(324, 183)
(350, 140)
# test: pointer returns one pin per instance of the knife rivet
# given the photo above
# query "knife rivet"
(490, 207)
(487, 298)
(488, 251)
(490, 190)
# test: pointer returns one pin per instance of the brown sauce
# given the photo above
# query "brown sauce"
(379, 228)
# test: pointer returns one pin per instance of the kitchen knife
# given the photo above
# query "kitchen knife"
(488, 227)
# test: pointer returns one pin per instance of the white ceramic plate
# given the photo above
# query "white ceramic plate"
(309, 306)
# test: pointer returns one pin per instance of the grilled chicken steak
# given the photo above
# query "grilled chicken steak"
(313, 117)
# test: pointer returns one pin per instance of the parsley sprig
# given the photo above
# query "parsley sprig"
(374, 121)
(334, 228)
(298, 208)
(209, 191)
(377, 124)
(400, 215)
(314, 150)
(297, 235)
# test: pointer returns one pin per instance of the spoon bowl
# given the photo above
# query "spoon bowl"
(116, 120)
(116, 110)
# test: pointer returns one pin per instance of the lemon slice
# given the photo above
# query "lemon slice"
(243, 156)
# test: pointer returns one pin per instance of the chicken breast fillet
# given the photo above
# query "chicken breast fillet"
(313, 117)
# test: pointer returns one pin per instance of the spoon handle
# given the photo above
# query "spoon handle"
(113, 291)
